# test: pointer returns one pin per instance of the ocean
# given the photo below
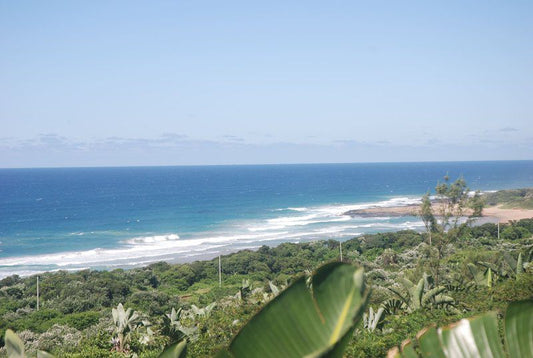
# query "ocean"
(105, 218)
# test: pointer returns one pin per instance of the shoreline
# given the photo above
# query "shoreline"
(493, 214)
(497, 213)
(403, 210)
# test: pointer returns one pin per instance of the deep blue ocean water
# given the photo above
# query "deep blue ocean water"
(75, 218)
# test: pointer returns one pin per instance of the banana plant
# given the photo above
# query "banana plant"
(459, 283)
(498, 272)
(517, 266)
(205, 311)
(146, 332)
(274, 290)
(125, 323)
(173, 328)
(374, 320)
(393, 306)
(476, 337)
(479, 277)
(175, 350)
(15, 347)
(244, 291)
(306, 322)
(422, 295)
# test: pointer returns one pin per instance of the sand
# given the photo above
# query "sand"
(496, 212)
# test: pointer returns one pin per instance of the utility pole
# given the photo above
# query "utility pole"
(37, 293)
(498, 230)
(340, 249)
(219, 272)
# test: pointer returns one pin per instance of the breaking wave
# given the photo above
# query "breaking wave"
(292, 224)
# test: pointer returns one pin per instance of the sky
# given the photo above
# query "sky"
(112, 83)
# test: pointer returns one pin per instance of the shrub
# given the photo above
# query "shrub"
(515, 233)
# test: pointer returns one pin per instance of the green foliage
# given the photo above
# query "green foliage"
(476, 204)
(14, 346)
(422, 295)
(453, 199)
(427, 216)
(477, 337)
(515, 233)
(304, 321)
(176, 350)
(81, 320)
(512, 198)
(125, 323)
(373, 321)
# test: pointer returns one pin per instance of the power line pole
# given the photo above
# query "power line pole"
(340, 249)
(219, 272)
(498, 230)
(37, 293)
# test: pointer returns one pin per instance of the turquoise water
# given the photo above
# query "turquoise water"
(121, 217)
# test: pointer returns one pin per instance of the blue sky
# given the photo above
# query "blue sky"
(209, 82)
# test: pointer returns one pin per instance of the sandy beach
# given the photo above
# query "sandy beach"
(497, 213)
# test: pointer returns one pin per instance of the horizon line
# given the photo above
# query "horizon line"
(266, 164)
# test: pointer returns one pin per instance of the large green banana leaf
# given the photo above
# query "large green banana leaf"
(478, 337)
(15, 347)
(176, 350)
(306, 322)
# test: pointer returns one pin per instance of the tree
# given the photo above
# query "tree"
(426, 214)
(452, 201)
(451, 205)
(476, 203)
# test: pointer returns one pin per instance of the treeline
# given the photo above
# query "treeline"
(75, 318)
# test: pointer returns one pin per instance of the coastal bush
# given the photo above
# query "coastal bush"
(81, 320)
(511, 198)
(487, 230)
(514, 232)
(525, 223)
(152, 302)
(59, 338)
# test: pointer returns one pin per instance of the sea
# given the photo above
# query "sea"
(123, 217)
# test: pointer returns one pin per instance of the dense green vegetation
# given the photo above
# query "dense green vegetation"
(75, 318)
(512, 198)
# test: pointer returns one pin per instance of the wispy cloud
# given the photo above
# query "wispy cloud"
(508, 129)
(232, 138)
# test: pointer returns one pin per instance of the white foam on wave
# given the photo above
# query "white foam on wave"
(153, 247)
(299, 209)
(393, 202)
(327, 214)
(151, 239)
